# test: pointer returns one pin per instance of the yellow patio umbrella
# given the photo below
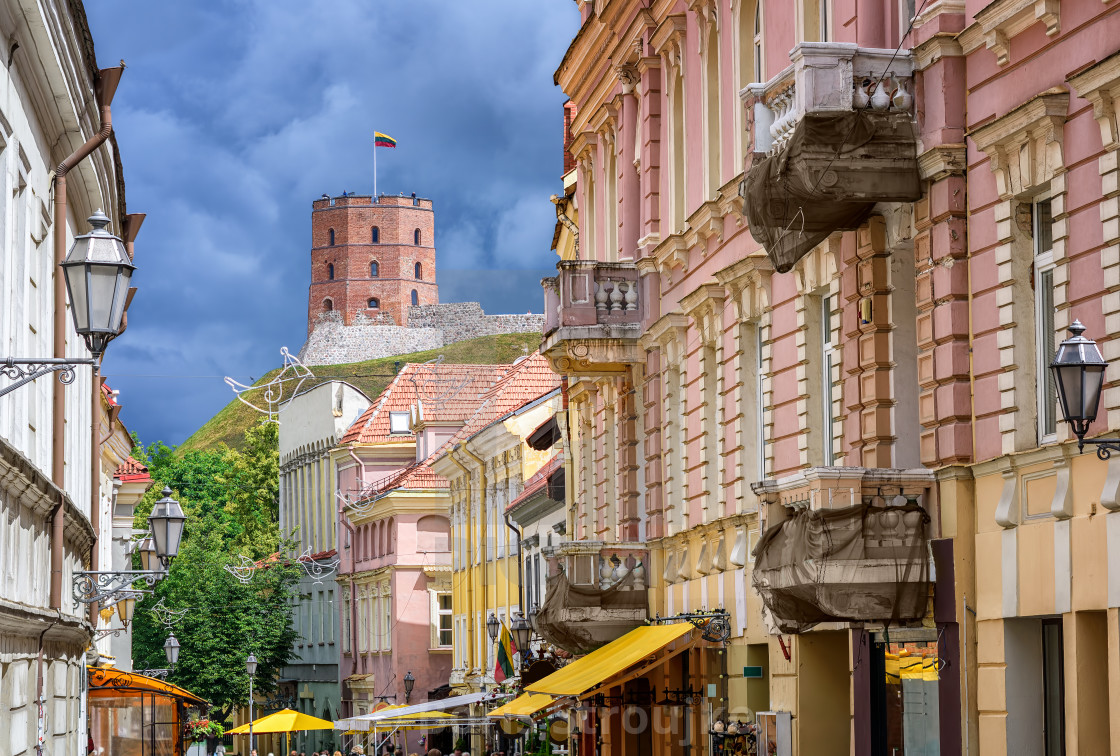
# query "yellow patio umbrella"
(284, 720)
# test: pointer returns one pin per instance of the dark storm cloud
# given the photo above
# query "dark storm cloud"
(234, 116)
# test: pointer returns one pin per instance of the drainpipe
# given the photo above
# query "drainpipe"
(104, 88)
(520, 573)
(39, 680)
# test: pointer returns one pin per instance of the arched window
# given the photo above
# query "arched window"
(376, 235)
(328, 305)
(373, 304)
(373, 269)
(416, 237)
(419, 271)
(415, 298)
(330, 234)
(330, 270)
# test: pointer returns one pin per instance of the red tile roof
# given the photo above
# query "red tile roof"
(473, 395)
(131, 470)
(538, 481)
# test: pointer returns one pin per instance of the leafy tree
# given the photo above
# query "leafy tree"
(226, 620)
(252, 484)
(231, 499)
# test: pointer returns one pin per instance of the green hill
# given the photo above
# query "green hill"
(228, 426)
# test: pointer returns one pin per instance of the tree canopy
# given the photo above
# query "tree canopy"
(231, 499)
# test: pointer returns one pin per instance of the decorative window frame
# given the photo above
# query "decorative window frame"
(1002, 20)
(1025, 151)
(705, 307)
(748, 286)
(1100, 85)
(668, 335)
(818, 273)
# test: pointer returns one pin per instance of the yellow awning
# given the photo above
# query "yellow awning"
(284, 720)
(523, 706)
(604, 663)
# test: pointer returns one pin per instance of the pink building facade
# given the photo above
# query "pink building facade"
(826, 251)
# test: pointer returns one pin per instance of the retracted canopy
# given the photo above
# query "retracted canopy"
(604, 663)
(524, 705)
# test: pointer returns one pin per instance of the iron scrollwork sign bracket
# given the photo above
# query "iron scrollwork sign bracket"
(24, 371)
(99, 586)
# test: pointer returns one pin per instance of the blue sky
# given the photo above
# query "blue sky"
(233, 115)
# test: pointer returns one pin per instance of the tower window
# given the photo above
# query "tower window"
(328, 305)
(419, 271)
(415, 298)
(376, 235)
(330, 235)
(373, 304)
(373, 269)
(330, 269)
(416, 237)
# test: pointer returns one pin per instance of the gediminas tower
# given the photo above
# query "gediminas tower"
(371, 259)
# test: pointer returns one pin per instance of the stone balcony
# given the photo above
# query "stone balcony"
(832, 135)
(597, 592)
(845, 544)
(593, 314)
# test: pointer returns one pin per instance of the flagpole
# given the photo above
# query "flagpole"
(375, 169)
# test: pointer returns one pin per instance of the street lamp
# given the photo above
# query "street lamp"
(157, 549)
(251, 668)
(409, 684)
(493, 626)
(166, 521)
(522, 634)
(171, 648)
(98, 272)
(1078, 370)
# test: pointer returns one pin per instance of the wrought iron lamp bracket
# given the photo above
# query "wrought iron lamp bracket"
(1105, 446)
(159, 674)
(111, 586)
(25, 370)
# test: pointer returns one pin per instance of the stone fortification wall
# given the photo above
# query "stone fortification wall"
(332, 343)
(460, 321)
(429, 327)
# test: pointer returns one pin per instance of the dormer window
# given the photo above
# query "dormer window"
(399, 422)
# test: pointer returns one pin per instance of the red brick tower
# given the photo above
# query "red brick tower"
(371, 258)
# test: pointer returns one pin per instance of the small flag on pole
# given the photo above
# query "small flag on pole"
(503, 664)
(383, 140)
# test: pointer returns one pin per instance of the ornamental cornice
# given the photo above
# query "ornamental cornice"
(1001, 20)
(668, 40)
(748, 282)
(943, 161)
(1024, 147)
(671, 253)
(705, 222)
(938, 46)
(666, 332)
(1100, 85)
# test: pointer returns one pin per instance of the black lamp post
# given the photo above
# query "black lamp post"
(409, 684)
(1078, 370)
(493, 626)
(251, 668)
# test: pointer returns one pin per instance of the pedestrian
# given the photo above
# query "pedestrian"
(434, 752)
(220, 750)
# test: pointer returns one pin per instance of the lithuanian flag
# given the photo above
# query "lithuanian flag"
(503, 664)
(383, 140)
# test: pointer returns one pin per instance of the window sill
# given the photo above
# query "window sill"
(441, 650)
